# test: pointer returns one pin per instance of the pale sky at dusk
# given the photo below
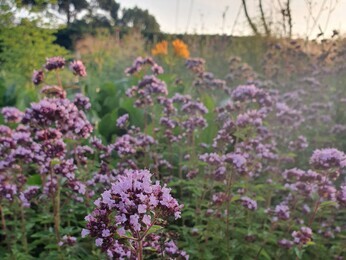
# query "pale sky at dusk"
(206, 15)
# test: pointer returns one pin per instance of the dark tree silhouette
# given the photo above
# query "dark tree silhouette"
(111, 6)
(140, 19)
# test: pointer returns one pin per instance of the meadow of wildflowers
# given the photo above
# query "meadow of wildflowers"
(180, 168)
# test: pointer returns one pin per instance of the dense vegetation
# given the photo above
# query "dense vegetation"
(173, 147)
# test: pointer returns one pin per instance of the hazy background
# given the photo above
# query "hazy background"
(206, 17)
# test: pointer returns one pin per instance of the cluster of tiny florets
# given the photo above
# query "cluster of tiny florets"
(137, 203)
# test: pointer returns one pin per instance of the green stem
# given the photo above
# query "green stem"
(58, 78)
(314, 213)
(56, 210)
(140, 250)
(229, 185)
(4, 227)
(23, 229)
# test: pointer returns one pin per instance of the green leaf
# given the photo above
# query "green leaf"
(154, 229)
(235, 198)
(34, 180)
(136, 115)
(328, 204)
(265, 254)
(299, 253)
(107, 125)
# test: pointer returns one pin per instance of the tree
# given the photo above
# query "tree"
(140, 19)
(111, 6)
(68, 7)
(27, 52)
(71, 8)
(6, 14)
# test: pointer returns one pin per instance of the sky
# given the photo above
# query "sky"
(206, 16)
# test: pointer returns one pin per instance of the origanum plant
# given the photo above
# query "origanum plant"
(37, 142)
(128, 212)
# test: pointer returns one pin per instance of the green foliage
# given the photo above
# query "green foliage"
(20, 54)
(140, 19)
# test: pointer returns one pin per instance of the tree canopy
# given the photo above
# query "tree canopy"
(141, 19)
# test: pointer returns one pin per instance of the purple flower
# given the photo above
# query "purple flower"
(193, 123)
(211, 158)
(78, 68)
(299, 144)
(28, 194)
(122, 121)
(168, 123)
(248, 203)
(194, 108)
(7, 191)
(67, 240)
(251, 117)
(282, 212)
(118, 251)
(12, 114)
(241, 93)
(106, 233)
(196, 65)
(287, 244)
(132, 198)
(140, 62)
(61, 113)
(38, 77)
(302, 236)
(220, 198)
(156, 69)
(251, 93)
(54, 63)
(82, 102)
(328, 158)
(85, 232)
(238, 161)
(81, 153)
(98, 242)
(288, 116)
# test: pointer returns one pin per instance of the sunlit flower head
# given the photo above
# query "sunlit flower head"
(160, 48)
(180, 49)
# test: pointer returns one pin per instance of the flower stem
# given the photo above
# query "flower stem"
(229, 185)
(56, 210)
(4, 227)
(140, 250)
(314, 213)
(58, 78)
(23, 229)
